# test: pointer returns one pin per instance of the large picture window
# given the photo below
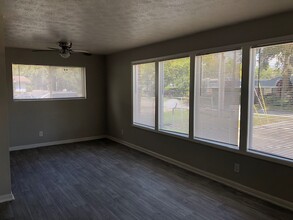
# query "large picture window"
(217, 97)
(47, 82)
(271, 95)
(174, 86)
(144, 94)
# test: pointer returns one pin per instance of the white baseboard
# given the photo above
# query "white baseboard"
(6, 198)
(45, 144)
(227, 182)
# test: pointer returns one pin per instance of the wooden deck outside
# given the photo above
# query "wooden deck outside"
(275, 138)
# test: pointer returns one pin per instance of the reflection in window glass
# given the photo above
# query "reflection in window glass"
(271, 95)
(217, 97)
(144, 94)
(174, 95)
(47, 82)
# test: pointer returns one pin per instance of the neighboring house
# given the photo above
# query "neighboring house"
(264, 87)
(267, 86)
(272, 86)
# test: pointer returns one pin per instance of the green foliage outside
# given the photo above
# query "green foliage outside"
(274, 63)
(231, 61)
(146, 79)
(176, 77)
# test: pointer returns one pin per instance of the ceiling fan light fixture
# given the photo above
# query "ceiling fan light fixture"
(64, 53)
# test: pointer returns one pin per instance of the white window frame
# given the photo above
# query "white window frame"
(249, 150)
(133, 90)
(160, 91)
(196, 93)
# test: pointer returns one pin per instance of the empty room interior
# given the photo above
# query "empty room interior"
(167, 109)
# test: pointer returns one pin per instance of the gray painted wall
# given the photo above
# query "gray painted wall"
(268, 177)
(5, 186)
(62, 119)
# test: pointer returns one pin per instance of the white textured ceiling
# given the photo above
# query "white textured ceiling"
(106, 26)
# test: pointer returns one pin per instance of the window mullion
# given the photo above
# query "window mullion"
(157, 96)
(191, 95)
(244, 119)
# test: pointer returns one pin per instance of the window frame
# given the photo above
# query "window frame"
(159, 96)
(84, 85)
(249, 150)
(208, 52)
(135, 124)
(156, 61)
(244, 100)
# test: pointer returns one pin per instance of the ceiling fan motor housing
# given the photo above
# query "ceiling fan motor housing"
(64, 44)
(65, 50)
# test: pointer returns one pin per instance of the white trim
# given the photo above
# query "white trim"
(227, 182)
(6, 198)
(45, 144)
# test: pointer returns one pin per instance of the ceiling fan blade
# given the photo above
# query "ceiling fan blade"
(80, 51)
(53, 48)
(65, 48)
(84, 52)
(42, 50)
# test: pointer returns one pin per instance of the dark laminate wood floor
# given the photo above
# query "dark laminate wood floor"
(105, 180)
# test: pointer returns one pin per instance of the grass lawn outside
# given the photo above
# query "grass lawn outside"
(177, 120)
(264, 119)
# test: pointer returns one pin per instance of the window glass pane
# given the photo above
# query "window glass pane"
(217, 97)
(144, 94)
(174, 95)
(47, 82)
(272, 100)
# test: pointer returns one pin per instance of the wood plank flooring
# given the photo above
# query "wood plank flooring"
(105, 180)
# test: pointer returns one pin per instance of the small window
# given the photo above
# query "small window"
(48, 82)
(174, 86)
(217, 97)
(271, 100)
(144, 94)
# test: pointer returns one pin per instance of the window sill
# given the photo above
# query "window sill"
(142, 126)
(51, 99)
(216, 144)
(173, 133)
(270, 157)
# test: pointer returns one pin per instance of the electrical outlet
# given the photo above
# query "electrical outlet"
(236, 167)
(122, 132)
(41, 133)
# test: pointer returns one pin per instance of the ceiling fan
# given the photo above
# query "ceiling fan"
(65, 50)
